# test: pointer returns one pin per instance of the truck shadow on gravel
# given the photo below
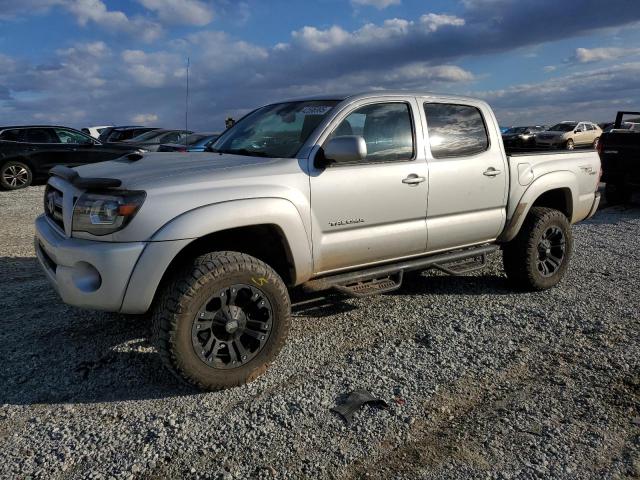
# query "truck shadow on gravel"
(52, 353)
(613, 214)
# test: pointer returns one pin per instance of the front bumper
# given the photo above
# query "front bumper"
(552, 142)
(86, 273)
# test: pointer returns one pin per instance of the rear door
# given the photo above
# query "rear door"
(592, 132)
(374, 210)
(581, 135)
(468, 175)
(45, 149)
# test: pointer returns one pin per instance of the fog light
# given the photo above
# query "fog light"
(85, 277)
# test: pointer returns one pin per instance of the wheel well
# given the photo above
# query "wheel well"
(265, 242)
(24, 160)
(559, 199)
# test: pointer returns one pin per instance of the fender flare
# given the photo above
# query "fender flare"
(178, 233)
(559, 180)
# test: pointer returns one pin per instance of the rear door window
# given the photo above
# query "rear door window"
(41, 135)
(455, 130)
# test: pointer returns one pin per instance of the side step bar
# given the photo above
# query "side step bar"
(386, 278)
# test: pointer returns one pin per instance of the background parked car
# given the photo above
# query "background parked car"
(27, 153)
(570, 135)
(196, 142)
(522, 137)
(120, 134)
(152, 140)
(95, 131)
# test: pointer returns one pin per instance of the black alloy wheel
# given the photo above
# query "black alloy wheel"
(232, 327)
(551, 249)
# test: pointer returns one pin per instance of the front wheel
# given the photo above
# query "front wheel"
(15, 175)
(222, 320)
(570, 145)
(538, 257)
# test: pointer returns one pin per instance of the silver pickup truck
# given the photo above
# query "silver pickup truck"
(327, 192)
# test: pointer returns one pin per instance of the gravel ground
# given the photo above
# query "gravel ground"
(482, 382)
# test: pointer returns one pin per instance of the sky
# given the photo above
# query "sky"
(97, 62)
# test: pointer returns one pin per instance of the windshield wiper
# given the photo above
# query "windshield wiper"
(243, 151)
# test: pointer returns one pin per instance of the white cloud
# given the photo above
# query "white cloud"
(220, 52)
(321, 40)
(586, 55)
(433, 21)
(144, 118)
(318, 40)
(379, 4)
(95, 11)
(152, 70)
(600, 94)
(187, 12)
(550, 68)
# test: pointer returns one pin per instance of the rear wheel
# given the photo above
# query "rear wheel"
(15, 175)
(538, 257)
(222, 320)
(570, 145)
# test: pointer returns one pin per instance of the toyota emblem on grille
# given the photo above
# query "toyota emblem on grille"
(51, 203)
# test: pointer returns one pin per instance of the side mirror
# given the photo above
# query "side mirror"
(347, 149)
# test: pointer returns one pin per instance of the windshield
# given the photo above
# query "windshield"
(276, 131)
(194, 138)
(145, 137)
(516, 130)
(563, 127)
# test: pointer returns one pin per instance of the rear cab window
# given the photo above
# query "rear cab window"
(455, 130)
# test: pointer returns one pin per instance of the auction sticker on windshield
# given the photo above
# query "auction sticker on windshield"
(316, 109)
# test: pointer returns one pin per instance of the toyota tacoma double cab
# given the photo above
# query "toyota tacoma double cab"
(326, 192)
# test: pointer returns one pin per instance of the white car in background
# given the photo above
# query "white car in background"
(95, 131)
(569, 135)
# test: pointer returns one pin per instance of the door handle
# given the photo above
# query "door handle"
(491, 172)
(413, 180)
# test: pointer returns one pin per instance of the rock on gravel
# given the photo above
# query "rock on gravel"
(482, 381)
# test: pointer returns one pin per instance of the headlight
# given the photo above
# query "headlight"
(141, 150)
(102, 214)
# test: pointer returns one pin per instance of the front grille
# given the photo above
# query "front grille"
(53, 205)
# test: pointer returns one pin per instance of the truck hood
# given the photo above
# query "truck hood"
(154, 169)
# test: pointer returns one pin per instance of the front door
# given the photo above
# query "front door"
(81, 149)
(45, 149)
(374, 210)
(468, 176)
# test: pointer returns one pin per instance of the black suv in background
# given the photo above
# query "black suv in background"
(120, 134)
(522, 137)
(27, 153)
